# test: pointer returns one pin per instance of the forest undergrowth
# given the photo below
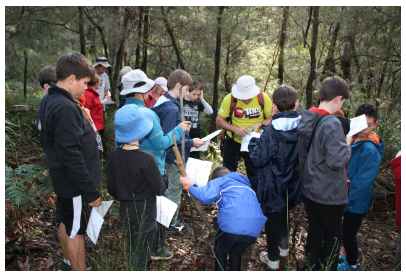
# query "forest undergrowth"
(31, 242)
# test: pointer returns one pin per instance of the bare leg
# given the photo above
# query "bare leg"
(62, 238)
(75, 249)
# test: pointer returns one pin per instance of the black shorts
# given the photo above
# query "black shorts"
(74, 213)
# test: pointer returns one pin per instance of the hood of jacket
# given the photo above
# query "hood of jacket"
(307, 123)
(91, 90)
(239, 209)
(135, 101)
(284, 122)
(373, 137)
(165, 98)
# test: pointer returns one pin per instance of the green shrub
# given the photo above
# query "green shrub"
(25, 185)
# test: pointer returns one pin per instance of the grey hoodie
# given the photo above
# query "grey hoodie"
(323, 173)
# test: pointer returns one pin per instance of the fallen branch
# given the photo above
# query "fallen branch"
(385, 182)
(179, 163)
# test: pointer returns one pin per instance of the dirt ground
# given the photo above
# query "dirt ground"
(32, 243)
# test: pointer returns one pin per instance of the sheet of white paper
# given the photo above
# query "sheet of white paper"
(358, 124)
(246, 139)
(165, 210)
(102, 209)
(207, 139)
(107, 101)
(202, 147)
(212, 135)
(94, 225)
(198, 171)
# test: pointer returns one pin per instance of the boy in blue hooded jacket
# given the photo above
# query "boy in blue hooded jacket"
(276, 156)
(366, 153)
(240, 217)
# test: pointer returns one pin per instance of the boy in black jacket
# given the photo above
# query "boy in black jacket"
(72, 154)
(133, 178)
(276, 156)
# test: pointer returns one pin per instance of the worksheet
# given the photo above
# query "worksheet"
(96, 220)
(94, 226)
(198, 171)
(207, 139)
(165, 210)
(358, 124)
(107, 101)
(246, 140)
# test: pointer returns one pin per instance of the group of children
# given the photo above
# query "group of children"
(299, 157)
(305, 157)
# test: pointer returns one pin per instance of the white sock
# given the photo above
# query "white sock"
(354, 266)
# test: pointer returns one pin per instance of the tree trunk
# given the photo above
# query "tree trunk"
(145, 41)
(25, 72)
(227, 81)
(282, 45)
(379, 88)
(329, 68)
(312, 76)
(170, 32)
(102, 36)
(120, 53)
(308, 26)
(216, 70)
(370, 81)
(138, 48)
(82, 32)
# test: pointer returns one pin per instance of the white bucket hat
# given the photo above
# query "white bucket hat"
(136, 81)
(245, 88)
(102, 61)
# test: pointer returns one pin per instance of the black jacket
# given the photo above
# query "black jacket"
(133, 178)
(70, 147)
(277, 157)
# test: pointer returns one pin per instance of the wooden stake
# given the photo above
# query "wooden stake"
(179, 163)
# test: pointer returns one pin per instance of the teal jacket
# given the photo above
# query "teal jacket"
(156, 142)
(362, 170)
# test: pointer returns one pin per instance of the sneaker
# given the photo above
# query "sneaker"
(283, 252)
(347, 267)
(271, 264)
(162, 255)
(342, 259)
(65, 265)
(177, 228)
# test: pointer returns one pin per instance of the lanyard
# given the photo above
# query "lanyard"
(89, 119)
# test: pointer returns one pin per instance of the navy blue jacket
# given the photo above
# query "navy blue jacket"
(168, 110)
(277, 157)
(239, 210)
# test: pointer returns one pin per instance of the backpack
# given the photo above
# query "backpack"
(233, 104)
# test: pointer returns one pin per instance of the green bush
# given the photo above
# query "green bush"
(25, 185)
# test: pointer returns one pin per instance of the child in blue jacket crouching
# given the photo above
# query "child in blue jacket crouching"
(240, 216)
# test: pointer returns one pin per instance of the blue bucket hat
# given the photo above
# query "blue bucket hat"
(132, 123)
